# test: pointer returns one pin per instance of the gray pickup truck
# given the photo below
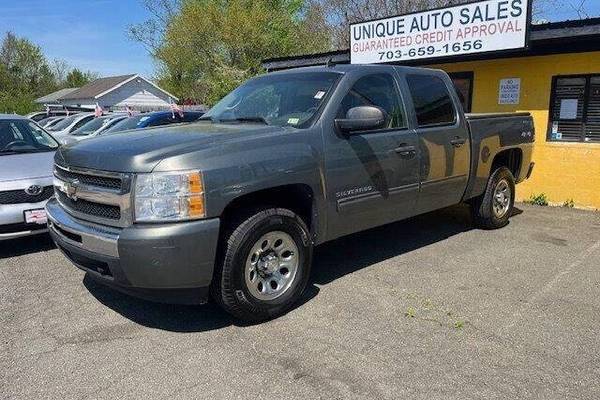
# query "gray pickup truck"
(232, 206)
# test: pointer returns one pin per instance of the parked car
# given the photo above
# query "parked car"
(52, 112)
(48, 122)
(157, 118)
(26, 162)
(94, 127)
(69, 124)
(234, 205)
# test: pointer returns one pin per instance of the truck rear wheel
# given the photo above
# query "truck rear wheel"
(492, 209)
(264, 265)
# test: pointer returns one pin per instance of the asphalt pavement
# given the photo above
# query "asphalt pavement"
(429, 308)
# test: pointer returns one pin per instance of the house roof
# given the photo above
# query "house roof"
(96, 87)
(54, 96)
(550, 38)
(102, 86)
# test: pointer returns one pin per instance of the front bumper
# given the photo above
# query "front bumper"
(170, 263)
(12, 222)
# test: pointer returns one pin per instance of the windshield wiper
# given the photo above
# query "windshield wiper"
(246, 119)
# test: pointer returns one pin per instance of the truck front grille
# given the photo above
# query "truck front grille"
(89, 208)
(95, 196)
(91, 180)
(21, 197)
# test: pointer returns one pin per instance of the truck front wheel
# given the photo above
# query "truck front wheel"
(492, 209)
(264, 265)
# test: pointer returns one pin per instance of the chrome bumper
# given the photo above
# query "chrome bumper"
(15, 235)
(86, 236)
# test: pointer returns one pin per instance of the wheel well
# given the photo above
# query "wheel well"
(510, 159)
(297, 198)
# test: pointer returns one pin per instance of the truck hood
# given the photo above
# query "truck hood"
(26, 166)
(141, 150)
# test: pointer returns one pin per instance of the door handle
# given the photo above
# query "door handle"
(458, 141)
(406, 151)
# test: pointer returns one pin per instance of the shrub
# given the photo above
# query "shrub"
(569, 203)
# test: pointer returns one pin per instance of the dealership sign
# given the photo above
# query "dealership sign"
(485, 26)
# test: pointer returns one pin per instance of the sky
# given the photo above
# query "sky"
(88, 34)
(92, 34)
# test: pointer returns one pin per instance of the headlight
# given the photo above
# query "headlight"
(170, 196)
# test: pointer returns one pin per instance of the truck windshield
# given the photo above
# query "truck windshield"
(290, 99)
(23, 136)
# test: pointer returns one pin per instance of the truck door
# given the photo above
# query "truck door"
(372, 176)
(443, 139)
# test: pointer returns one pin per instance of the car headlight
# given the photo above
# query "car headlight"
(170, 196)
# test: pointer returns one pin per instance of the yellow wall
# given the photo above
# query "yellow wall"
(563, 170)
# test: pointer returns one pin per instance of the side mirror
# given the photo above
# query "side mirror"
(362, 118)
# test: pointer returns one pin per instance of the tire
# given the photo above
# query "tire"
(250, 278)
(490, 212)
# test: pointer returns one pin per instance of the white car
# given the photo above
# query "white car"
(69, 124)
(95, 127)
(47, 123)
(26, 181)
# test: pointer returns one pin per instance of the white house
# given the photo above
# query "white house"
(116, 92)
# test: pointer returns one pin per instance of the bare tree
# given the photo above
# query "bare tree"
(580, 9)
(342, 13)
(151, 32)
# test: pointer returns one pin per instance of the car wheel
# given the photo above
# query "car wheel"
(493, 209)
(264, 265)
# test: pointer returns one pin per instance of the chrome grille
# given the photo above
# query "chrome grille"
(92, 180)
(96, 196)
(89, 208)
(22, 197)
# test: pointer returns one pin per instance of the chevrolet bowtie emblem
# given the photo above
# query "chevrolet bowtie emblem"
(71, 189)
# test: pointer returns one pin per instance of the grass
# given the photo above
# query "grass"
(538, 199)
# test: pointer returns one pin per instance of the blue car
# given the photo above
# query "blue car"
(157, 118)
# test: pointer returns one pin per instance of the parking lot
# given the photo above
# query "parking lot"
(429, 308)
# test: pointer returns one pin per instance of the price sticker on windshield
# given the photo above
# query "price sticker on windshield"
(319, 95)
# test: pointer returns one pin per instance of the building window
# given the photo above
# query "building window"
(463, 82)
(575, 109)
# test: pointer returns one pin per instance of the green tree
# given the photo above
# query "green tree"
(207, 47)
(24, 74)
(77, 78)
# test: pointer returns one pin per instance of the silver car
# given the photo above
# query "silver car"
(93, 128)
(26, 162)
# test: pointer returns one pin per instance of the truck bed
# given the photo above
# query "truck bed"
(493, 133)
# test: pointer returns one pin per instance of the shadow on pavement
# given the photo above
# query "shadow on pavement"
(169, 317)
(351, 253)
(331, 261)
(26, 245)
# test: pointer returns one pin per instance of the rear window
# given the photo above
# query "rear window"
(432, 100)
